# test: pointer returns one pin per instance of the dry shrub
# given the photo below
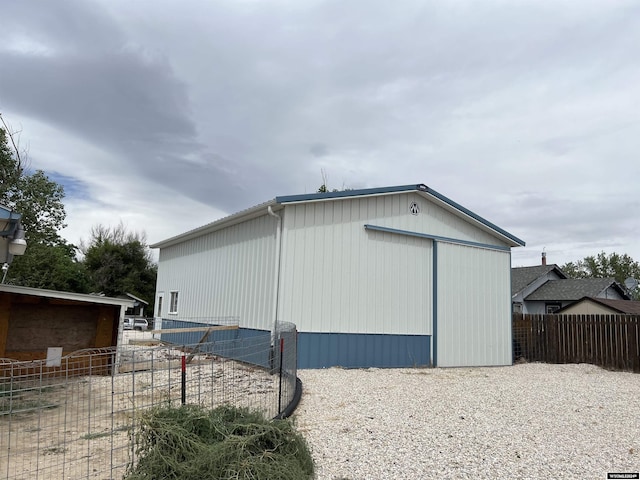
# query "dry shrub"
(192, 443)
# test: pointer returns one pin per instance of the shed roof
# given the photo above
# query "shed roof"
(521, 277)
(620, 306)
(77, 297)
(573, 289)
(280, 201)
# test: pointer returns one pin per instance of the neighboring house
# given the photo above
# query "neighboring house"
(546, 289)
(137, 310)
(556, 294)
(602, 306)
(32, 321)
(386, 277)
(526, 280)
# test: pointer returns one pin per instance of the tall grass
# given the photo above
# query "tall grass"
(192, 443)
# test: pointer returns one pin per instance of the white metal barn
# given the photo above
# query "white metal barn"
(384, 277)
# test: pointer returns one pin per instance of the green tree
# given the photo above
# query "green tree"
(602, 265)
(49, 261)
(119, 262)
(49, 266)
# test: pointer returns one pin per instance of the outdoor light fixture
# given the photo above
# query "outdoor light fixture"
(12, 242)
(18, 244)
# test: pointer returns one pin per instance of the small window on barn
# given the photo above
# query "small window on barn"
(173, 303)
(552, 307)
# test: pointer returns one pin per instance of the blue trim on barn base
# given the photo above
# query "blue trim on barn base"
(362, 350)
(243, 344)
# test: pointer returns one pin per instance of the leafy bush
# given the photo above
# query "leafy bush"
(192, 443)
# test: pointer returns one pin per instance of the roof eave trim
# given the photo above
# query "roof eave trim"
(217, 224)
(310, 197)
(476, 217)
(402, 188)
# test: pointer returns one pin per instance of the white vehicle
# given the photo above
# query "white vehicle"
(135, 324)
(140, 324)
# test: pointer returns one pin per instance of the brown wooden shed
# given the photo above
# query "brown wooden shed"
(34, 320)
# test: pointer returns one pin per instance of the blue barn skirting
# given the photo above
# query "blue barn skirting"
(315, 350)
(244, 344)
(360, 350)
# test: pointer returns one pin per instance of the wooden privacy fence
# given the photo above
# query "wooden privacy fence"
(611, 341)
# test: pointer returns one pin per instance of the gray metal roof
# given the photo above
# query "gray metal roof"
(420, 188)
(78, 297)
(521, 277)
(277, 203)
(224, 222)
(573, 289)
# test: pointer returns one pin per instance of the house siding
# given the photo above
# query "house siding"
(588, 307)
(229, 272)
(612, 294)
(532, 307)
(339, 277)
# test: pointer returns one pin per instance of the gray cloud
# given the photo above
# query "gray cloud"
(523, 113)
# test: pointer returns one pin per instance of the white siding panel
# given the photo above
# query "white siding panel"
(339, 277)
(474, 306)
(225, 273)
(433, 219)
(393, 211)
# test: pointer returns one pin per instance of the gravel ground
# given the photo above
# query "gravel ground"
(525, 421)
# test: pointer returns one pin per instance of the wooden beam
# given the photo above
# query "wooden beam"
(197, 347)
(5, 309)
(195, 329)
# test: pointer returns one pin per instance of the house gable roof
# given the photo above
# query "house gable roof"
(620, 306)
(521, 277)
(280, 201)
(573, 289)
(133, 297)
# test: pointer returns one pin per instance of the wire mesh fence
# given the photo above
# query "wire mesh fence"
(76, 418)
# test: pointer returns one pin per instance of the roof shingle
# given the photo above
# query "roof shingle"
(571, 289)
(523, 276)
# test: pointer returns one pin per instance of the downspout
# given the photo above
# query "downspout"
(434, 333)
(276, 275)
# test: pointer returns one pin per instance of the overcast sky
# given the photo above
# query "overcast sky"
(167, 115)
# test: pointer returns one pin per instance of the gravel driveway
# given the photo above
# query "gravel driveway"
(525, 421)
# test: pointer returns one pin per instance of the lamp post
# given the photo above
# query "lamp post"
(12, 240)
